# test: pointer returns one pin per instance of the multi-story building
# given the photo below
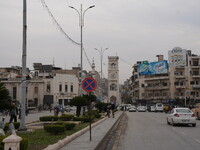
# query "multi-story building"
(181, 82)
(47, 84)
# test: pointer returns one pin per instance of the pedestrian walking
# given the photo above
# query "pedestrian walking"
(13, 114)
(113, 110)
(108, 108)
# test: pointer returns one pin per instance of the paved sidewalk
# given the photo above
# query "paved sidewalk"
(32, 116)
(98, 133)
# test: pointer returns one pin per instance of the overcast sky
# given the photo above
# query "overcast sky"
(134, 30)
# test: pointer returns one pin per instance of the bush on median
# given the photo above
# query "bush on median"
(68, 126)
(65, 117)
(55, 129)
(16, 125)
(49, 118)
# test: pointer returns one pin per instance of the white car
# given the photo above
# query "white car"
(152, 108)
(159, 107)
(181, 116)
(132, 109)
(141, 108)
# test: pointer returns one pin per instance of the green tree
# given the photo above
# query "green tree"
(5, 99)
(101, 106)
(78, 101)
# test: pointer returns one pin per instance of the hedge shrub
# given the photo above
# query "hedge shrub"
(16, 125)
(70, 126)
(23, 143)
(49, 118)
(77, 119)
(98, 116)
(65, 117)
(54, 129)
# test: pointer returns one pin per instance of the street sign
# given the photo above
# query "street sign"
(89, 84)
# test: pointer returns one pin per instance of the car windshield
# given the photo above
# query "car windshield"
(183, 111)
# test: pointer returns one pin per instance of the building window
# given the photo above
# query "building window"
(164, 94)
(113, 87)
(72, 88)
(60, 101)
(36, 73)
(60, 87)
(66, 102)
(48, 87)
(113, 66)
(66, 87)
(14, 92)
(35, 90)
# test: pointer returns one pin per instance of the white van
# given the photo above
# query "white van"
(159, 107)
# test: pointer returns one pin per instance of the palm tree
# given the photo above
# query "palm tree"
(5, 99)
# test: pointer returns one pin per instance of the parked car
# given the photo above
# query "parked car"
(181, 116)
(152, 108)
(132, 109)
(159, 107)
(141, 108)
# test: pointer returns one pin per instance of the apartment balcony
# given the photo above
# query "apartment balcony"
(195, 66)
(179, 77)
(157, 78)
(196, 76)
(180, 86)
(157, 88)
(196, 86)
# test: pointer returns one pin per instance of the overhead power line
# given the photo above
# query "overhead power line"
(125, 62)
(62, 31)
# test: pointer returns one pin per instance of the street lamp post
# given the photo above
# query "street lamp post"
(101, 51)
(23, 83)
(81, 24)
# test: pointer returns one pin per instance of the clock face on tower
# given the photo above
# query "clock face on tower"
(113, 75)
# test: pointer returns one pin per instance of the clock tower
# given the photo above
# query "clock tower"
(113, 80)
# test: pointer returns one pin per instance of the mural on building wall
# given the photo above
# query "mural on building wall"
(177, 57)
(159, 67)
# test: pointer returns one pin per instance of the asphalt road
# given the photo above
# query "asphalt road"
(150, 131)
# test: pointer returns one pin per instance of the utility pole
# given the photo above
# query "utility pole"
(23, 82)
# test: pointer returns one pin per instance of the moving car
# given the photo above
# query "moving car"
(141, 108)
(181, 116)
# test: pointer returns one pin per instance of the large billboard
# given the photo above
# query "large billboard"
(177, 57)
(159, 67)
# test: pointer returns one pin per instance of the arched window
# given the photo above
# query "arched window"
(113, 66)
(113, 87)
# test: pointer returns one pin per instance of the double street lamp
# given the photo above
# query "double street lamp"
(101, 51)
(81, 14)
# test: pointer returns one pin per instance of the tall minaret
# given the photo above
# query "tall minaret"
(113, 80)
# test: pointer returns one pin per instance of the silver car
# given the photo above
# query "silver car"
(181, 116)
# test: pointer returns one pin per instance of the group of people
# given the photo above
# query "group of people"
(110, 109)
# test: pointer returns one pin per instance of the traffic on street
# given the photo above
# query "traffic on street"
(150, 131)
